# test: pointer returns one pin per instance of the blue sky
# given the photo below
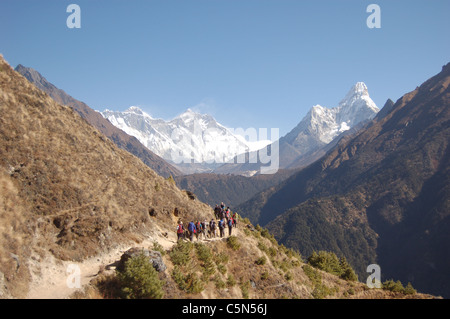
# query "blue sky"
(249, 63)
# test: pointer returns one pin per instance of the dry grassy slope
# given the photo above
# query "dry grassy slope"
(66, 188)
(282, 276)
(119, 137)
(69, 194)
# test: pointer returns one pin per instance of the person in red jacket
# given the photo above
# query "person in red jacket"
(180, 230)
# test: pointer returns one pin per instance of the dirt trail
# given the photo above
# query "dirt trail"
(53, 279)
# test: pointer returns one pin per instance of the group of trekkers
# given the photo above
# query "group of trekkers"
(223, 215)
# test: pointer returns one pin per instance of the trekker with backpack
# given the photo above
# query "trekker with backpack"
(192, 230)
(212, 228)
(221, 227)
(227, 213)
(199, 230)
(235, 217)
(180, 230)
(217, 211)
(204, 227)
(230, 226)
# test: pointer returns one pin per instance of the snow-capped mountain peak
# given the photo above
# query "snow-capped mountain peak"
(357, 106)
(138, 111)
(190, 136)
(321, 125)
(359, 88)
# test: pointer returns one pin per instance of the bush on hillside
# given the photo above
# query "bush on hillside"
(329, 262)
(396, 286)
(261, 260)
(181, 253)
(139, 280)
(233, 243)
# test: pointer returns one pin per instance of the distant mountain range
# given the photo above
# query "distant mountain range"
(202, 144)
(119, 137)
(318, 132)
(381, 195)
(73, 205)
(190, 138)
(321, 126)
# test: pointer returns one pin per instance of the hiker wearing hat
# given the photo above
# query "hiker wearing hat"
(180, 230)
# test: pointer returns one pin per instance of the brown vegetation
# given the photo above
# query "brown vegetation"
(69, 194)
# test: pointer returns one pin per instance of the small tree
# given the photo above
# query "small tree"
(139, 280)
(326, 261)
(261, 260)
(347, 272)
(233, 243)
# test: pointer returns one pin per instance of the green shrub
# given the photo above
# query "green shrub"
(272, 252)
(159, 247)
(396, 286)
(261, 260)
(193, 283)
(233, 243)
(329, 262)
(170, 180)
(222, 269)
(221, 258)
(347, 272)
(244, 289)
(189, 283)
(285, 265)
(205, 255)
(262, 247)
(265, 233)
(265, 275)
(139, 280)
(393, 286)
(409, 289)
(220, 284)
(231, 281)
(178, 277)
(320, 290)
(312, 274)
(325, 261)
(181, 253)
(288, 276)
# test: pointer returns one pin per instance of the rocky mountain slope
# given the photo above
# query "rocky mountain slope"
(118, 136)
(67, 191)
(71, 198)
(231, 189)
(379, 196)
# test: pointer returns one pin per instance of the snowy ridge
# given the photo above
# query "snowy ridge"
(188, 138)
(323, 124)
(198, 138)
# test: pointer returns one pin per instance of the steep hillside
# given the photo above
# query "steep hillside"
(119, 137)
(69, 197)
(230, 189)
(381, 195)
(68, 192)
(312, 137)
(248, 264)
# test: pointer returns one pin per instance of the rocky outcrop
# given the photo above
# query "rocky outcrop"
(154, 257)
